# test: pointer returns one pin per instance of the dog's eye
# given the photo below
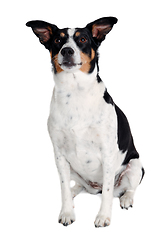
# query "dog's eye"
(83, 40)
(57, 40)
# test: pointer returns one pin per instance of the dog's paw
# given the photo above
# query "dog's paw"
(102, 221)
(126, 200)
(66, 217)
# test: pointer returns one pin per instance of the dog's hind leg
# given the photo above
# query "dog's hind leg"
(81, 184)
(127, 182)
(76, 189)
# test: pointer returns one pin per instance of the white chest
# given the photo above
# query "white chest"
(80, 123)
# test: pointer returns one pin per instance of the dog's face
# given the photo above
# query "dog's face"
(73, 49)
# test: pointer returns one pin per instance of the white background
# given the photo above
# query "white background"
(30, 198)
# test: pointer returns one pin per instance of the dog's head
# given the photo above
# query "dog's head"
(73, 49)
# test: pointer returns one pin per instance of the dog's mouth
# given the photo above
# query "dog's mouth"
(69, 64)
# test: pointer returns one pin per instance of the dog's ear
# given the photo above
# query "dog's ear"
(101, 27)
(43, 30)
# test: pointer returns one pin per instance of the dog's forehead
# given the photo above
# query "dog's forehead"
(71, 32)
(66, 32)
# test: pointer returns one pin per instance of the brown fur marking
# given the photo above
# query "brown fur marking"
(86, 61)
(62, 34)
(77, 34)
(56, 64)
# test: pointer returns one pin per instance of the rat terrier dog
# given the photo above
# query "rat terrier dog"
(92, 141)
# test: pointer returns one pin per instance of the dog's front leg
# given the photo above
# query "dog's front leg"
(104, 216)
(66, 216)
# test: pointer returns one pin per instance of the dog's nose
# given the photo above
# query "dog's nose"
(67, 51)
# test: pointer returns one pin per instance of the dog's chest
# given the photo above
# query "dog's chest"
(79, 124)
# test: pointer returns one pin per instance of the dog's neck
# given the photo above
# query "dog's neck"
(71, 81)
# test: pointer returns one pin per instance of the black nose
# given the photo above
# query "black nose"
(67, 51)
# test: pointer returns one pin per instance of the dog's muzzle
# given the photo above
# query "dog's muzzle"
(68, 60)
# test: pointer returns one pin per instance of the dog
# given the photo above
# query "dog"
(92, 140)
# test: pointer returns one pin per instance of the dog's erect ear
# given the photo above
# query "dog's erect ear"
(43, 30)
(101, 27)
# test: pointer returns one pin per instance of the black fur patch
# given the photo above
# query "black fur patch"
(107, 97)
(143, 172)
(125, 139)
(99, 79)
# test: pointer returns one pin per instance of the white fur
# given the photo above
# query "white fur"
(83, 129)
